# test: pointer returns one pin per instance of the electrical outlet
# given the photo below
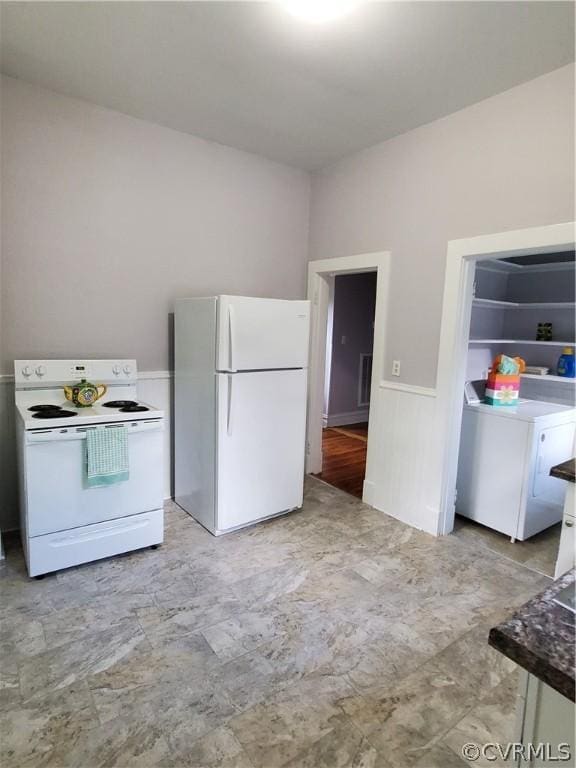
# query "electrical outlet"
(343, 340)
(395, 367)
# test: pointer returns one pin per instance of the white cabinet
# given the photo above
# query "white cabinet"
(567, 549)
(545, 717)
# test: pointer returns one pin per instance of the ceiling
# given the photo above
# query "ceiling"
(252, 76)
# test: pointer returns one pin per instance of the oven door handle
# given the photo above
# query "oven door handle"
(79, 433)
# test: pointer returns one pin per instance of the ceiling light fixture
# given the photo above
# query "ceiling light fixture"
(318, 11)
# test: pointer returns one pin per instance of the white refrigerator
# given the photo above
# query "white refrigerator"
(240, 408)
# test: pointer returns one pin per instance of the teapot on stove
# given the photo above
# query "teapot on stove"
(84, 394)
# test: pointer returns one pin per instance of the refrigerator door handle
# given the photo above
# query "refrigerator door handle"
(229, 412)
(232, 336)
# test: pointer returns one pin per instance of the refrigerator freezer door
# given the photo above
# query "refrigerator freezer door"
(262, 334)
(261, 436)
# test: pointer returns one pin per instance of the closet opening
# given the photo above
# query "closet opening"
(519, 415)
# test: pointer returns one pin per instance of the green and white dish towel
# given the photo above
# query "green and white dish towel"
(106, 456)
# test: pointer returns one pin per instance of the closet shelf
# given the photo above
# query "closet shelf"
(524, 341)
(547, 377)
(502, 265)
(494, 304)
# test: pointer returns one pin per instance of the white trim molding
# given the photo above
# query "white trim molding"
(143, 375)
(413, 389)
(319, 275)
(461, 258)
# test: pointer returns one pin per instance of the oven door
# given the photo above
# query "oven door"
(56, 496)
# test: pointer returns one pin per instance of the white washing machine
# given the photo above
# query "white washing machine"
(504, 463)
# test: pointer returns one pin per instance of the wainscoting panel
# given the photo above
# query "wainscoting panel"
(8, 477)
(398, 479)
(154, 387)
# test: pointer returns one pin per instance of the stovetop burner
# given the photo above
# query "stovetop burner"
(134, 408)
(119, 403)
(45, 407)
(55, 413)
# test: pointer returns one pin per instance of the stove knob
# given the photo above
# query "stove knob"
(40, 370)
(127, 370)
(116, 370)
(26, 371)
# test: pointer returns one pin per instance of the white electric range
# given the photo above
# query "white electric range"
(63, 522)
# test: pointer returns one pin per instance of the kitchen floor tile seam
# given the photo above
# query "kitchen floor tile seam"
(369, 694)
(378, 751)
(99, 724)
(70, 642)
(383, 761)
(219, 664)
(477, 703)
(179, 637)
(130, 614)
(165, 731)
(46, 691)
(479, 543)
(394, 765)
(20, 699)
(441, 736)
(342, 716)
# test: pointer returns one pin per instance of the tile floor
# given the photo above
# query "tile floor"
(539, 552)
(333, 637)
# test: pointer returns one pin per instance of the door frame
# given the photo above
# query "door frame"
(461, 259)
(319, 273)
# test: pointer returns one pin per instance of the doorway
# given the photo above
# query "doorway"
(497, 288)
(522, 307)
(346, 366)
(347, 380)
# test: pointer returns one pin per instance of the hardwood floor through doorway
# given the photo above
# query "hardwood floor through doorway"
(344, 457)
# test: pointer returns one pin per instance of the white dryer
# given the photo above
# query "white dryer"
(504, 463)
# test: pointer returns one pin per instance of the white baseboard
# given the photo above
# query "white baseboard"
(341, 419)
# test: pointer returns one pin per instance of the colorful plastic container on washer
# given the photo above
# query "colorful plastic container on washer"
(502, 389)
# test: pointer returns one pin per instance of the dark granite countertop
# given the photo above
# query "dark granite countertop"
(565, 471)
(540, 638)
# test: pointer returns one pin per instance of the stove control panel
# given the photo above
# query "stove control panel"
(36, 373)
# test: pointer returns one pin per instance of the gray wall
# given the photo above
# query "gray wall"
(106, 219)
(504, 163)
(353, 317)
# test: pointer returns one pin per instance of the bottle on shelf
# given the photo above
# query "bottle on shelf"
(567, 363)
